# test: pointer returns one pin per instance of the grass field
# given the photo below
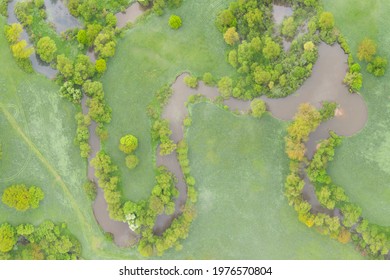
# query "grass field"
(240, 167)
(362, 163)
(149, 56)
(37, 131)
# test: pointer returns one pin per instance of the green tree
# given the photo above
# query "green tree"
(7, 237)
(101, 66)
(132, 161)
(111, 20)
(191, 81)
(82, 37)
(13, 32)
(175, 22)
(65, 66)
(128, 143)
(231, 36)
(258, 108)
(377, 66)
(46, 49)
(225, 19)
(90, 189)
(326, 21)
(366, 50)
(225, 86)
(20, 50)
(271, 49)
(289, 27)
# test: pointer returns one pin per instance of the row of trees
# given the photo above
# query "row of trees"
(46, 241)
(371, 239)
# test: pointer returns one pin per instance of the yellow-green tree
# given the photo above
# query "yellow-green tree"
(231, 36)
(22, 198)
(128, 143)
(7, 237)
(366, 50)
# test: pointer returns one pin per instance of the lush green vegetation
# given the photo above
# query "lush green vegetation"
(239, 171)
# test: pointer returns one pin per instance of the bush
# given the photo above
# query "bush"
(377, 66)
(191, 81)
(175, 22)
(208, 79)
(132, 161)
(90, 189)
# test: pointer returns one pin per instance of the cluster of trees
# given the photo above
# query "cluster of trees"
(257, 54)
(22, 198)
(20, 49)
(370, 238)
(367, 52)
(82, 134)
(305, 121)
(46, 241)
(128, 144)
(108, 180)
(99, 111)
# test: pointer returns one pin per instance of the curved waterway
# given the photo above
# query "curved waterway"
(325, 84)
(130, 14)
(59, 15)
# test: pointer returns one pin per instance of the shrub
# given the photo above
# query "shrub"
(132, 161)
(258, 108)
(191, 81)
(175, 22)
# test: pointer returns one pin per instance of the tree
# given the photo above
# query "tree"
(46, 49)
(377, 66)
(225, 87)
(309, 46)
(21, 51)
(258, 108)
(13, 32)
(289, 27)
(82, 37)
(225, 19)
(231, 36)
(83, 69)
(366, 50)
(111, 20)
(100, 66)
(132, 161)
(271, 49)
(105, 43)
(7, 237)
(175, 22)
(90, 189)
(22, 198)
(128, 143)
(65, 66)
(326, 21)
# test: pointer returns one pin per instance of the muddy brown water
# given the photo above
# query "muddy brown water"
(281, 12)
(59, 15)
(130, 14)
